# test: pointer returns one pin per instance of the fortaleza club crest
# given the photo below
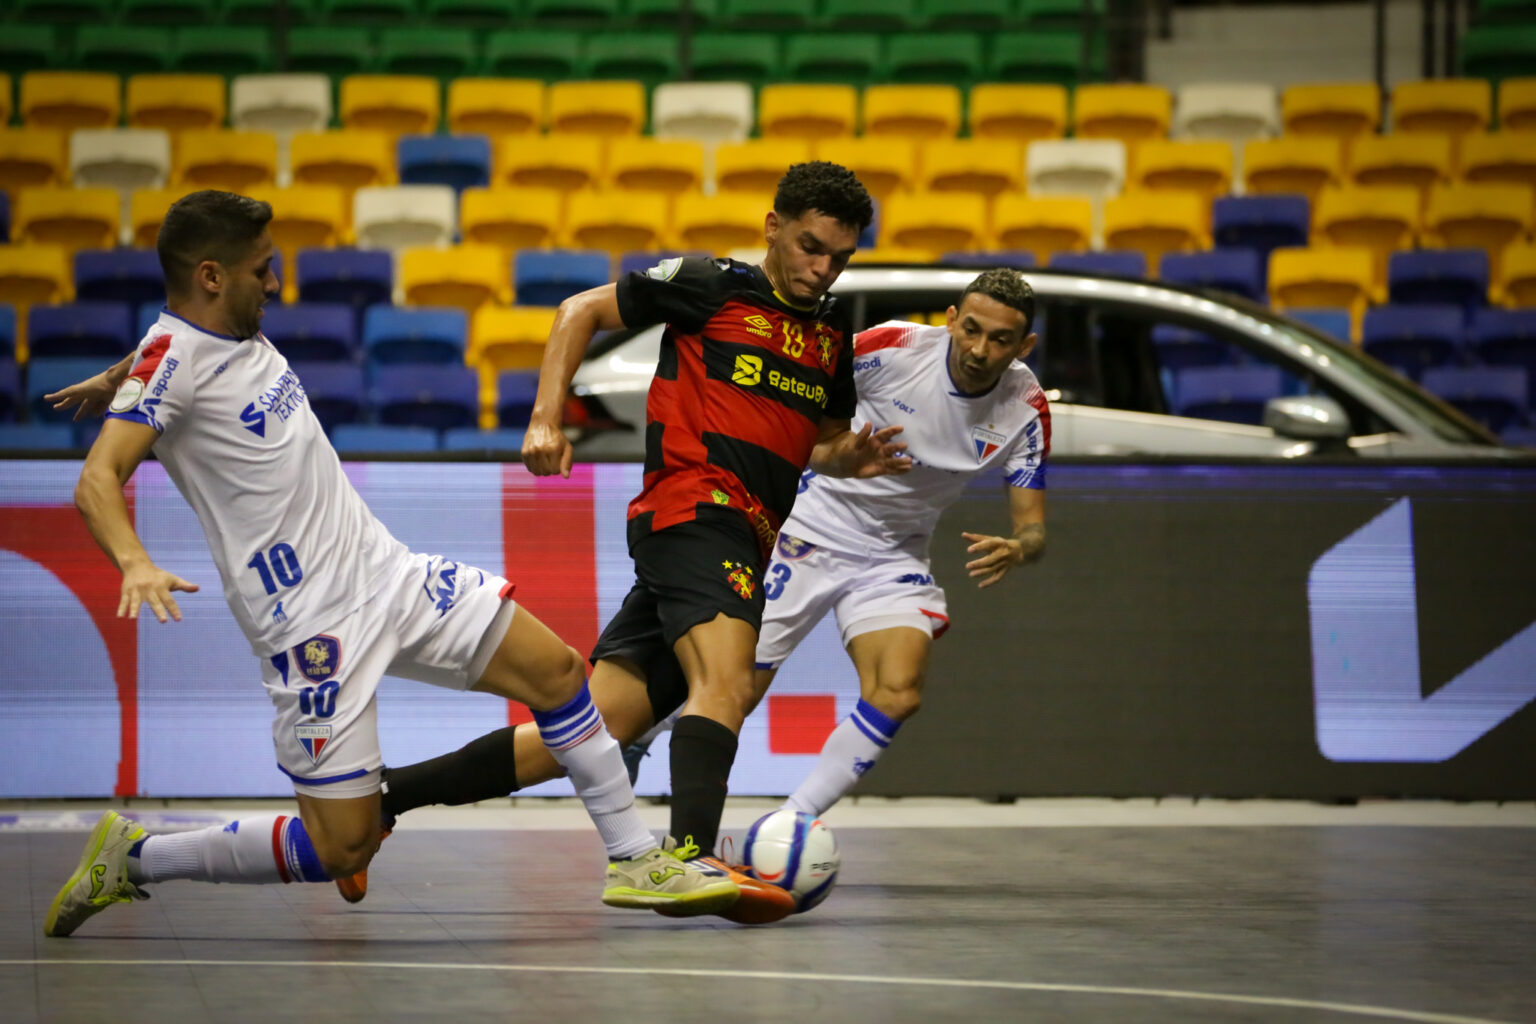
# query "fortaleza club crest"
(741, 579)
(986, 442)
(313, 739)
(320, 658)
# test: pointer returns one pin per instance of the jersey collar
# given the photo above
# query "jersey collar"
(164, 312)
(954, 388)
(762, 275)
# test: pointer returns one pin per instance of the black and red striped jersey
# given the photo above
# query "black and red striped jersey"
(740, 390)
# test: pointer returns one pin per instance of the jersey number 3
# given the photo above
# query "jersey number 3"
(278, 568)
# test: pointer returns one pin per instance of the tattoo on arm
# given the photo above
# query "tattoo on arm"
(1031, 538)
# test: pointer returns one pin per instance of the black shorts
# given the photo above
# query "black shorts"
(685, 575)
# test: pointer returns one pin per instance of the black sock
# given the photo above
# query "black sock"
(482, 769)
(702, 753)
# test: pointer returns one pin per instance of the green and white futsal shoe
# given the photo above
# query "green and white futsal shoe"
(101, 879)
(665, 878)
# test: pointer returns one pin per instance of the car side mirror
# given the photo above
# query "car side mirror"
(1307, 418)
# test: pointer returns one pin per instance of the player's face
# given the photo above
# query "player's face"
(806, 254)
(251, 282)
(984, 337)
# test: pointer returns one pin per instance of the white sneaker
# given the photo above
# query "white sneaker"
(665, 878)
(101, 879)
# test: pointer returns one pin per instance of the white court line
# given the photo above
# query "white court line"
(1353, 1009)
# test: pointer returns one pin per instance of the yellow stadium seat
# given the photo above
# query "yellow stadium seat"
(1416, 159)
(757, 164)
(809, 112)
(983, 166)
(511, 218)
(1517, 281)
(1292, 164)
(655, 165)
(495, 106)
(1487, 217)
(1517, 104)
(1381, 218)
(1451, 106)
(146, 210)
(30, 157)
(1022, 113)
(347, 159)
(719, 223)
(597, 108)
(1322, 278)
(76, 218)
(912, 111)
(1044, 225)
(305, 217)
(509, 338)
(894, 254)
(70, 99)
(1506, 157)
(1130, 113)
(1154, 223)
(465, 276)
(176, 103)
(885, 166)
(31, 273)
(394, 104)
(936, 222)
(232, 161)
(1341, 111)
(615, 221)
(1191, 165)
(564, 162)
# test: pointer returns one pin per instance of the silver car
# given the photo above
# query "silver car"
(1106, 345)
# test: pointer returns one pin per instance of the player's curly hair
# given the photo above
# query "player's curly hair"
(1008, 287)
(207, 225)
(826, 188)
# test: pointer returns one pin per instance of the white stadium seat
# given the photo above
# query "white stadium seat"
(120, 158)
(404, 216)
(706, 111)
(1229, 111)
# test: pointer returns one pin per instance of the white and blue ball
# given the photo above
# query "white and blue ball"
(795, 852)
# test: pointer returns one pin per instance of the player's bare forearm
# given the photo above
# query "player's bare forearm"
(1030, 539)
(996, 555)
(579, 318)
(94, 394)
(99, 497)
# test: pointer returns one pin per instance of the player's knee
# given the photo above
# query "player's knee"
(560, 680)
(900, 701)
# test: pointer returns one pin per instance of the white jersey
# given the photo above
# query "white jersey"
(902, 374)
(297, 549)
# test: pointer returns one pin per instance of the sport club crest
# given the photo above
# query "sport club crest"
(824, 347)
(313, 739)
(741, 579)
(792, 549)
(320, 658)
(986, 442)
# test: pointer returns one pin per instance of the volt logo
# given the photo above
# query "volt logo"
(254, 420)
(1365, 657)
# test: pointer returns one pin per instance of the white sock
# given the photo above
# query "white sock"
(575, 734)
(852, 749)
(254, 851)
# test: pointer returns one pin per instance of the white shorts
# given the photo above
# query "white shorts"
(804, 581)
(433, 621)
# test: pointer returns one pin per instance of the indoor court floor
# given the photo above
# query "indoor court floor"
(1128, 911)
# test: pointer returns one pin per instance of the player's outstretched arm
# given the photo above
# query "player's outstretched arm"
(869, 452)
(996, 555)
(93, 394)
(118, 450)
(546, 449)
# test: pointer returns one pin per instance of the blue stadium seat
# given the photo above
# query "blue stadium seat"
(96, 329)
(335, 391)
(1019, 259)
(433, 396)
(358, 277)
(395, 334)
(45, 376)
(643, 261)
(360, 438)
(1179, 348)
(459, 161)
(312, 331)
(1120, 262)
(1411, 339)
(1334, 322)
(1456, 276)
(1264, 223)
(515, 392)
(1506, 337)
(547, 277)
(1231, 270)
(1495, 396)
(7, 331)
(119, 275)
(1519, 437)
(503, 441)
(36, 436)
(10, 390)
(148, 314)
(1232, 394)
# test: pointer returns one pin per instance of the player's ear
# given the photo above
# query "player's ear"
(1028, 347)
(208, 278)
(771, 225)
(950, 316)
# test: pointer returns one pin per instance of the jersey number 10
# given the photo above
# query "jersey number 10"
(277, 568)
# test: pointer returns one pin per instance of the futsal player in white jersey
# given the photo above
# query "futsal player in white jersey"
(329, 600)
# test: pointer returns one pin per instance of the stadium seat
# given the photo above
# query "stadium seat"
(884, 166)
(1020, 113)
(975, 15)
(1414, 159)
(511, 218)
(394, 104)
(312, 331)
(1044, 225)
(912, 111)
(1231, 394)
(119, 275)
(1517, 278)
(433, 52)
(7, 335)
(666, 13)
(597, 108)
(615, 221)
(435, 397)
(744, 59)
(346, 159)
(35, 436)
(1090, 167)
(1203, 167)
(1234, 112)
(549, 277)
(632, 262)
(655, 165)
(589, 13)
(1487, 217)
(121, 50)
(647, 58)
(333, 51)
(1054, 56)
(1496, 51)
(832, 57)
(499, 443)
(25, 48)
(259, 12)
(1450, 106)
(548, 56)
(1500, 158)
(1069, 13)
(1381, 218)
(946, 58)
(719, 223)
(146, 210)
(1292, 165)
(100, 330)
(710, 111)
(1335, 323)
(457, 161)
(1411, 339)
(45, 376)
(1517, 104)
(509, 337)
(232, 161)
(32, 157)
(306, 217)
(219, 50)
(869, 15)
(67, 100)
(334, 390)
(1457, 276)
(281, 104)
(1262, 223)
(778, 15)
(810, 112)
(364, 12)
(367, 439)
(465, 277)
(892, 255)
(357, 277)
(495, 106)
(935, 222)
(1505, 337)
(1338, 110)
(1119, 264)
(176, 103)
(404, 216)
(1131, 113)
(1495, 396)
(756, 165)
(983, 166)
(5, 217)
(1180, 348)
(1337, 278)
(562, 162)
(1156, 223)
(985, 259)
(393, 335)
(76, 218)
(5, 96)
(1239, 271)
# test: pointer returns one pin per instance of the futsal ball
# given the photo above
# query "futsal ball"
(795, 852)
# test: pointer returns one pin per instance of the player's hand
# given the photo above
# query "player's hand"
(148, 583)
(92, 395)
(547, 451)
(996, 555)
(876, 454)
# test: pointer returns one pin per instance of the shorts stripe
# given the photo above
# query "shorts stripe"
(321, 782)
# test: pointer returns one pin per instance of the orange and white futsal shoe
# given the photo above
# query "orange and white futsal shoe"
(759, 902)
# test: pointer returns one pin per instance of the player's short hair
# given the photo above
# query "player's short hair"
(826, 188)
(1009, 288)
(207, 225)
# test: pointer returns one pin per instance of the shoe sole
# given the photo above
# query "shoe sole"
(711, 899)
(93, 847)
(748, 909)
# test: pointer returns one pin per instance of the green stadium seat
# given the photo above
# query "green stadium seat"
(121, 51)
(649, 57)
(1504, 11)
(26, 48)
(259, 12)
(1498, 51)
(946, 58)
(541, 54)
(832, 57)
(1063, 13)
(440, 52)
(337, 52)
(735, 57)
(572, 12)
(367, 12)
(664, 13)
(472, 13)
(871, 15)
(1041, 57)
(777, 15)
(976, 15)
(64, 12)
(223, 51)
(169, 12)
